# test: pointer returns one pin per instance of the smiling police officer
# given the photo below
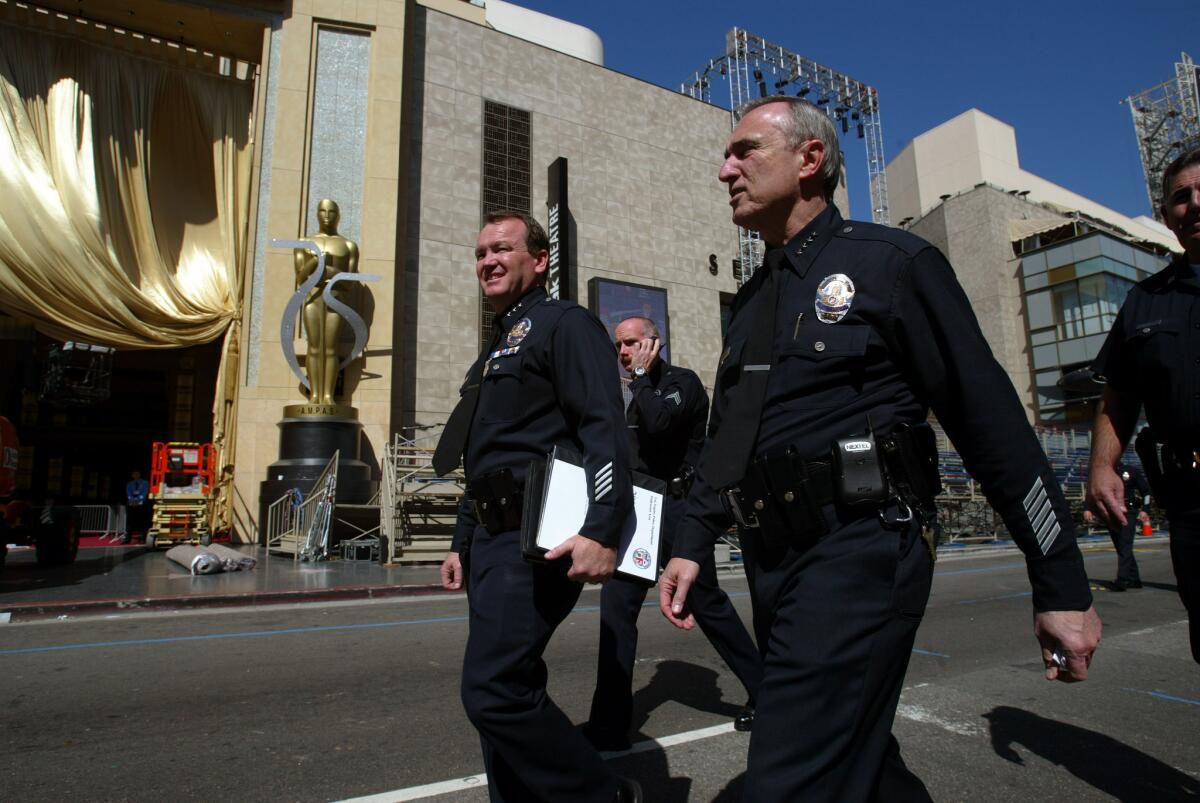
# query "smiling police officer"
(818, 447)
(1152, 359)
(547, 379)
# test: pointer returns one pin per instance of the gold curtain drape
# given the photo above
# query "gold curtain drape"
(124, 192)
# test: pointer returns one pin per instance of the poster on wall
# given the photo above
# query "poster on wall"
(612, 302)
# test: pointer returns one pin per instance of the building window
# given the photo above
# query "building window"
(1088, 306)
(506, 176)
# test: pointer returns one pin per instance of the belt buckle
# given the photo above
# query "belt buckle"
(732, 497)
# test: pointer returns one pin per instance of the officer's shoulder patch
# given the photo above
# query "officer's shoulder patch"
(676, 397)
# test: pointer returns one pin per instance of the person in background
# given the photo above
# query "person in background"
(666, 418)
(137, 505)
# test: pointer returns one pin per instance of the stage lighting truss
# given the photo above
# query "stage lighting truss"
(1166, 124)
(77, 373)
(750, 65)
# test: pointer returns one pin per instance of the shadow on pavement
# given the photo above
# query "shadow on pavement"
(1112, 767)
(695, 687)
(681, 682)
(22, 573)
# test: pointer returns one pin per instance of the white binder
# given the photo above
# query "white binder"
(556, 505)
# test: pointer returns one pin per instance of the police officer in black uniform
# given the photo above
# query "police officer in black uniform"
(837, 349)
(547, 379)
(1151, 360)
(1136, 492)
(666, 419)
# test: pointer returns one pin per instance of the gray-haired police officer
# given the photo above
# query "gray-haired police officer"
(837, 349)
(1152, 359)
(547, 379)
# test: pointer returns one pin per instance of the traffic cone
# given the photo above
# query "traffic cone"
(1147, 530)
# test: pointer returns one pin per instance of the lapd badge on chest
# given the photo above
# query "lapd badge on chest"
(518, 332)
(835, 294)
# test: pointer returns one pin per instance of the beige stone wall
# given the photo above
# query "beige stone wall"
(972, 231)
(261, 403)
(643, 165)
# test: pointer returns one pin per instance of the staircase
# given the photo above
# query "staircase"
(418, 509)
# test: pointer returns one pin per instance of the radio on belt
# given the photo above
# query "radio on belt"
(857, 473)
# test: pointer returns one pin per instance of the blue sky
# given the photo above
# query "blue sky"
(1055, 71)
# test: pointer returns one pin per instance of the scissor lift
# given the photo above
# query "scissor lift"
(181, 485)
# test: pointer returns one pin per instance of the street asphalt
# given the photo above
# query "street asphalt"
(330, 700)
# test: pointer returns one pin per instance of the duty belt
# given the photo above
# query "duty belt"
(498, 501)
(782, 491)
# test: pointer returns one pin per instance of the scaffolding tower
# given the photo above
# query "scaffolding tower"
(1166, 125)
(751, 64)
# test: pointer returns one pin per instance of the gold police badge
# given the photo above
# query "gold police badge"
(835, 294)
(518, 332)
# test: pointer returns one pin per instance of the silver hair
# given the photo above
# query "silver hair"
(649, 327)
(804, 123)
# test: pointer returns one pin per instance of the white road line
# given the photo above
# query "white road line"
(428, 790)
(480, 781)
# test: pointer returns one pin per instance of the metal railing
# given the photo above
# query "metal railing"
(298, 527)
(102, 520)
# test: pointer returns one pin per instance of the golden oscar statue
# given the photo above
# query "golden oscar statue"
(322, 325)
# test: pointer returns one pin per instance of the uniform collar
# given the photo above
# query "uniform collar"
(802, 250)
(661, 369)
(1183, 277)
(531, 298)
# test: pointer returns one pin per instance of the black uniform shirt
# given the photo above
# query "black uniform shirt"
(909, 342)
(1137, 488)
(1153, 353)
(666, 420)
(551, 380)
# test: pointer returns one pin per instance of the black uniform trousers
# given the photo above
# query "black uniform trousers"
(1122, 538)
(837, 621)
(531, 750)
(620, 603)
(1185, 560)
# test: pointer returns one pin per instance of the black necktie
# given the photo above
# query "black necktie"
(728, 454)
(448, 453)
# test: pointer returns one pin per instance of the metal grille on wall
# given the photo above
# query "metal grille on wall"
(754, 67)
(506, 176)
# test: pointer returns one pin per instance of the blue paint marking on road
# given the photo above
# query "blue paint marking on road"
(919, 651)
(1006, 567)
(215, 636)
(1017, 595)
(1162, 695)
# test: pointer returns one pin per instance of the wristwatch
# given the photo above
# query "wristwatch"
(639, 371)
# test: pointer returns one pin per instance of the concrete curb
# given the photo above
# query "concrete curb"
(126, 604)
(40, 610)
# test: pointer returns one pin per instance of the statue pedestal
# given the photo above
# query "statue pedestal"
(309, 434)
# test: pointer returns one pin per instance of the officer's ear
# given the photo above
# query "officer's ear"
(542, 263)
(812, 159)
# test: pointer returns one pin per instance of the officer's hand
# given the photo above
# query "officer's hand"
(645, 353)
(591, 561)
(673, 587)
(1074, 635)
(1144, 517)
(1106, 495)
(452, 572)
